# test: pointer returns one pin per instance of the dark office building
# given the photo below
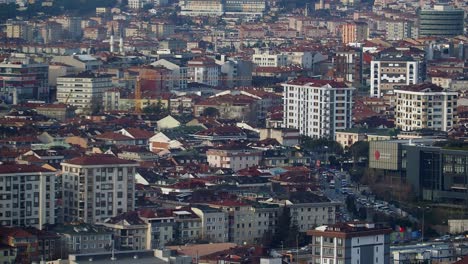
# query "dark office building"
(436, 174)
(441, 21)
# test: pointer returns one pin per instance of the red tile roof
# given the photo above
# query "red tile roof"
(113, 136)
(317, 83)
(99, 159)
(139, 133)
(21, 168)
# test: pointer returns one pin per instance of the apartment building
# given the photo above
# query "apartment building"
(27, 195)
(248, 7)
(84, 238)
(400, 29)
(84, 90)
(349, 65)
(23, 79)
(233, 158)
(204, 70)
(308, 212)
(425, 106)
(80, 63)
(188, 224)
(269, 59)
(356, 31)
(317, 108)
(162, 226)
(236, 72)
(201, 7)
(214, 223)
(248, 222)
(19, 30)
(179, 72)
(389, 72)
(136, 4)
(351, 243)
(71, 25)
(96, 187)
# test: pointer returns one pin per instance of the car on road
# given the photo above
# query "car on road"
(443, 238)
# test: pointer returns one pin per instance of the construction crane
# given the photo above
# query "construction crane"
(68, 96)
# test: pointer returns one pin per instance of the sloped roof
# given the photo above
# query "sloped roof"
(99, 159)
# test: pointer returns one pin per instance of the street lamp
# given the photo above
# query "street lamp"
(423, 216)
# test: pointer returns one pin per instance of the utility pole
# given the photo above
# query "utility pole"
(297, 248)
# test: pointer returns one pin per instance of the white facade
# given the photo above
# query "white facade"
(97, 187)
(233, 159)
(350, 243)
(27, 196)
(214, 223)
(201, 7)
(415, 110)
(317, 108)
(204, 70)
(386, 74)
(161, 230)
(266, 59)
(83, 90)
(136, 4)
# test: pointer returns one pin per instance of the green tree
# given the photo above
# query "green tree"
(359, 149)
(282, 229)
(321, 145)
(210, 112)
(157, 109)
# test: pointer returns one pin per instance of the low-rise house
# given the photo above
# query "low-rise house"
(60, 112)
(167, 122)
(130, 231)
(7, 253)
(136, 153)
(25, 243)
(140, 136)
(221, 133)
(287, 137)
(235, 158)
(160, 142)
(112, 138)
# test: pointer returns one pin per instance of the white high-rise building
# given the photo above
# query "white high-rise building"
(317, 108)
(97, 187)
(27, 195)
(425, 106)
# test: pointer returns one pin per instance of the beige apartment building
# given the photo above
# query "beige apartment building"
(235, 159)
(425, 106)
(96, 187)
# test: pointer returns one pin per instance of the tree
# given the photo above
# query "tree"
(210, 112)
(321, 145)
(282, 229)
(359, 149)
(157, 109)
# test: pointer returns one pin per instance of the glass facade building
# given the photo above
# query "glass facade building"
(441, 21)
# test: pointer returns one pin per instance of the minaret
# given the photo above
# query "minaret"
(111, 42)
(121, 44)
